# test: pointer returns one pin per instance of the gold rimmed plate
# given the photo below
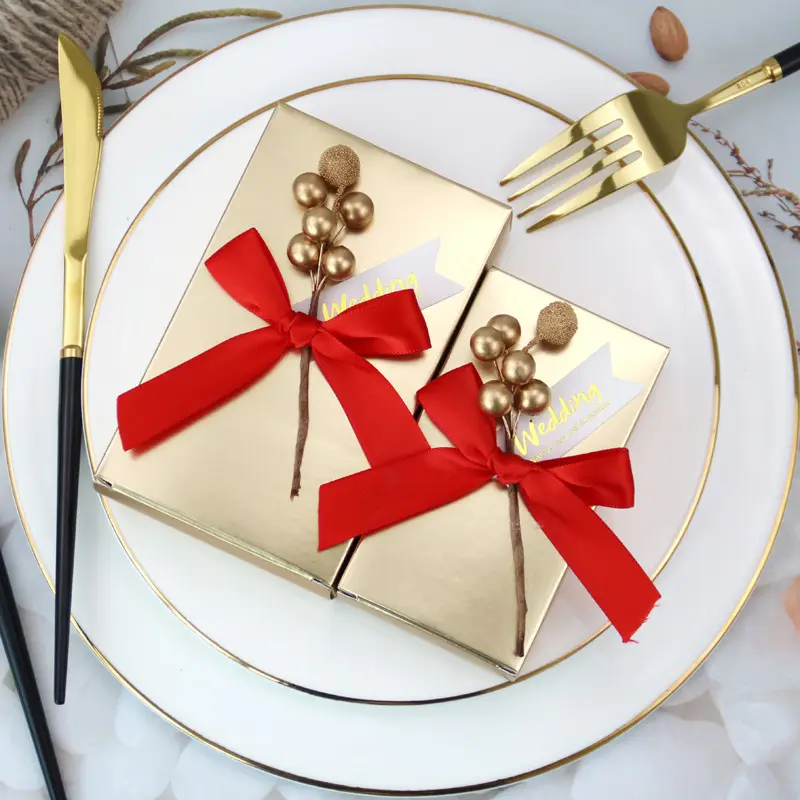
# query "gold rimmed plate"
(600, 690)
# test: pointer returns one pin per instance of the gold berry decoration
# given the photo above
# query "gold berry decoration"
(356, 210)
(310, 189)
(303, 252)
(318, 252)
(340, 167)
(495, 399)
(533, 397)
(515, 391)
(487, 344)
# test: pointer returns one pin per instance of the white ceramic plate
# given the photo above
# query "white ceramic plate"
(337, 648)
(586, 699)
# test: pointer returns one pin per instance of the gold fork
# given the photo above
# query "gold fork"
(649, 132)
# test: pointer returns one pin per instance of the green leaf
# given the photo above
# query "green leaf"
(19, 162)
(142, 75)
(117, 108)
(151, 58)
(196, 16)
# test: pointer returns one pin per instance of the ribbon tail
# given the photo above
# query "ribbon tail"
(378, 498)
(382, 422)
(605, 567)
(163, 405)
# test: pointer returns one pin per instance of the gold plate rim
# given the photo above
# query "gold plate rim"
(93, 462)
(613, 734)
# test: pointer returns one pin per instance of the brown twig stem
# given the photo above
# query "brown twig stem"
(302, 397)
(518, 554)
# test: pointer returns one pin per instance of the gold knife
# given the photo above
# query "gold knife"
(82, 130)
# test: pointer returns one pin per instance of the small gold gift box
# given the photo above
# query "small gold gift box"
(450, 571)
(227, 476)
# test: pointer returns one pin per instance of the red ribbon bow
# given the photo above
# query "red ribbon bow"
(558, 493)
(390, 325)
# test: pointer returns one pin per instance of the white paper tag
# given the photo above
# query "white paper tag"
(415, 269)
(580, 403)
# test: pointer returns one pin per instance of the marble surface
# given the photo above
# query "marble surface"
(731, 733)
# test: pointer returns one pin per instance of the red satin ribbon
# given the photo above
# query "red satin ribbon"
(558, 493)
(390, 325)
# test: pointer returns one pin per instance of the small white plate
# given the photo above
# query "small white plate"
(338, 649)
(501, 736)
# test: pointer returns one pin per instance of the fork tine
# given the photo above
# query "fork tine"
(598, 118)
(604, 141)
(606, 161)
(628, 174)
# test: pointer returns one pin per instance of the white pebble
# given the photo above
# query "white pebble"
(662, 758)
(556, 785)
(762, 728)
(784, 560)
(117, 772)
(19, 768)
(788, 772)
(695, 687)
(30, 588)
(136, 725)
(761, 652)
(301, 791)
(8, 510)
(755, 783)
(203, 774)
(290, 790)
(13, 794)
(86, 721)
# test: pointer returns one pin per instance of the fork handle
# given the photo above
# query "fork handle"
(789, 60)
(773, 69)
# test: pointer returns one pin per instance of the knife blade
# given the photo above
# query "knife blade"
(82, 131)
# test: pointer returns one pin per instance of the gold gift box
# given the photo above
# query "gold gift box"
(450, 571)
(228, 475)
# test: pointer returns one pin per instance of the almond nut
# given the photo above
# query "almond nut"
(649, 80)
(668, 35)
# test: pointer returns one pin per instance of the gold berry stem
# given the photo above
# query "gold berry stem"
(518, 554)
(317, 283)
(531, 344)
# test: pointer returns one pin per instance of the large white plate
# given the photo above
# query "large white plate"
(336, 648)
(492, 738)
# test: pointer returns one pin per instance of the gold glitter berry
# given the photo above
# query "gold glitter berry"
(339, 166)
(557, 324)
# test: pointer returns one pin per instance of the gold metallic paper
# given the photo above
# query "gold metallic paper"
(228, 475)
(450, 571)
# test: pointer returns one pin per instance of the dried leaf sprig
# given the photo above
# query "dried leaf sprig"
(788, 202)
(515, 391)
(136, 68)
(316, 250)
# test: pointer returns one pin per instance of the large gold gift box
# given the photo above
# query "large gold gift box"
(228, 475)
(450, 571)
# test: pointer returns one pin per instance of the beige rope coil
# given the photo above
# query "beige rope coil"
(28, 34)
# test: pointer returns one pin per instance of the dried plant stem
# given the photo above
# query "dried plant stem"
(135, 69)
(302, 397)
(518, 554)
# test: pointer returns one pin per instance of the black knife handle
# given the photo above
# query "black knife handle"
(19, 661)
(789, 59)
(69, 464)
